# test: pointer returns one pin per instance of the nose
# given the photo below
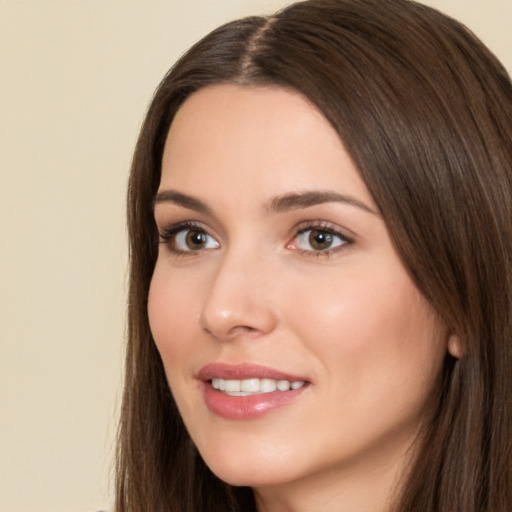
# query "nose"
(239, 301)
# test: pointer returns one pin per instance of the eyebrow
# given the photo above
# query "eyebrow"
(171, 196)
(297, 201)
(280, 204)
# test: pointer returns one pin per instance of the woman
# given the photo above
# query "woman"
(321, 291)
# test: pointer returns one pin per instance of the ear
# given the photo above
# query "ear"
(455, 346)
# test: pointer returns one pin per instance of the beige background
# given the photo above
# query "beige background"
(75, 79)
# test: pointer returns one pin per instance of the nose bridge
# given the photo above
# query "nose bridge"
(238, 299)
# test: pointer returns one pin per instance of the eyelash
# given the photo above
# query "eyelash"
(168, 236)
(321, 227)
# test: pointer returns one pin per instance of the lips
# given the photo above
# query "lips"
(244, 371)
(245, 391)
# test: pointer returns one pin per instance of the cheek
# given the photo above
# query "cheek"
(340, 310)
(370, 328)
(171, 314)
(172, 320)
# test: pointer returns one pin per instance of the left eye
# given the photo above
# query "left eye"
(317, 240)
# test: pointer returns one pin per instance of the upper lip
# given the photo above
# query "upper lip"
(244, 371)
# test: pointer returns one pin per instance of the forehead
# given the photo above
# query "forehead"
(255, 140)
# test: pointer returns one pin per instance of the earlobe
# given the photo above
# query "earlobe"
(455, 347)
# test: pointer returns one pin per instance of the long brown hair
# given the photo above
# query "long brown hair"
(425, 110)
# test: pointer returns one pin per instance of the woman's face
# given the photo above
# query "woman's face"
(277, 282)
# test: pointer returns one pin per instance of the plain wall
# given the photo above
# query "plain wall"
(75, 80)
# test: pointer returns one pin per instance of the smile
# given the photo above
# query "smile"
(248, 391)
(255, 386)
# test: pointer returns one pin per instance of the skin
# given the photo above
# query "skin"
(350, 320)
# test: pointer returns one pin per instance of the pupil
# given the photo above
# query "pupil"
(196, 239)
(320, 239)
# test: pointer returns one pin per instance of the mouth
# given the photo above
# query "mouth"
(247, 391)
(254, 386)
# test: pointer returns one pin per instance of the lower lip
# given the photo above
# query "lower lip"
(247, 407)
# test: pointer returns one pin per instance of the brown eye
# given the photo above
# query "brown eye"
(195, 240)
(320, 240)
(190, 239)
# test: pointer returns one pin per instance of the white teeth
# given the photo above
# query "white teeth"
(268, 385)
(219, 384)
(250, 385)
(283, 385)
(232, 385)
(254, 386)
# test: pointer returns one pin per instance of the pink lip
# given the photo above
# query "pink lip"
(244, 371)
(246, 407)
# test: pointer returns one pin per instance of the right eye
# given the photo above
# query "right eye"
(182, 239)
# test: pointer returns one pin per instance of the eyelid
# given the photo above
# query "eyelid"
(325, 225)
(321, 225)
(168, 234)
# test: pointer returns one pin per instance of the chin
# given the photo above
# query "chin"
(241, 469)
(250, 477)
